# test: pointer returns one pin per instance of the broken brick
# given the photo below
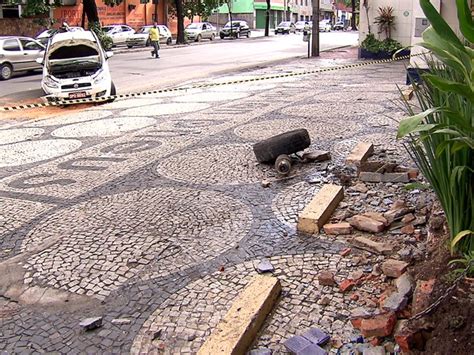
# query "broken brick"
(376, 216)
(337, 228)
(378, 326)
(394, 268)
(408, 218)
(408, 229)
(413, 173)
(366, 224)
(395, 177)
(326, 278)
(381, 248)
(346, 285)
(345, 252)
(422, 295)
(370, 177)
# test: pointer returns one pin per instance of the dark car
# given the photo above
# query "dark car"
(239, 29)
(339, 26)
(285, 27)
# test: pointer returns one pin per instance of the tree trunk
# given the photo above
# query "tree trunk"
(179, 13)
(267, 19)
(353, 18)
(366, 6)
(90, 8)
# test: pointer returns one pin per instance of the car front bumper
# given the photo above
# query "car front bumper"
(87, 89)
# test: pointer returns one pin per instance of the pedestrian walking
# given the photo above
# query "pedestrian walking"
(154, 36)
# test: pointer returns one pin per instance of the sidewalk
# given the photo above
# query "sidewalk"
(151, 212)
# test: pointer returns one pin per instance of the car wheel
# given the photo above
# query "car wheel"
(6, 71)
(237, 35)
(198, 38)
(129, 46)
(248, 34)
(213, 36)
(221, 36)
(168, 41)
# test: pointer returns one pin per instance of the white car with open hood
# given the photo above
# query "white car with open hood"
(75, 66)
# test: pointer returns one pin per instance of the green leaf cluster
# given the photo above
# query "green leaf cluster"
(374, 45)
(440, 138)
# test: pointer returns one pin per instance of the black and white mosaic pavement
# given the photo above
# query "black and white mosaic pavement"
(150, 212)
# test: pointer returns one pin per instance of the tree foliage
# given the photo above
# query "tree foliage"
(202, 8)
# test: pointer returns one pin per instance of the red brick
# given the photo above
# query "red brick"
(394, 268)
(326, 278)
(345, 252)
(346, 285)
(407, 338)
(413, 173)
(354, 297)
(375, 341)
(422, 295)
(408, 218)
(366, 224)
(379, 326)
(408, 229)
(337, 228)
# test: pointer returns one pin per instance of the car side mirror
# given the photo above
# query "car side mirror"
(39, 60)
(109, 54)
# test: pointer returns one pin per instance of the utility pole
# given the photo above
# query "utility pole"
(315, 34)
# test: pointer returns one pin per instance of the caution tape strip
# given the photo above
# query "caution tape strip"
(199, 86)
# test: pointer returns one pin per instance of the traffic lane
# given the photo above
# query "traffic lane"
(191, 63)
(23, 86)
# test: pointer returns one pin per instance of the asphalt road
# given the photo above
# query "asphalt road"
(135, 70)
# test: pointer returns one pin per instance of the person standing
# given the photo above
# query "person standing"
(154, 35)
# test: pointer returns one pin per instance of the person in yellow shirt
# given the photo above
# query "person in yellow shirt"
(154, 36)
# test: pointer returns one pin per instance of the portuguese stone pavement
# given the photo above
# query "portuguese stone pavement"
(150, 212)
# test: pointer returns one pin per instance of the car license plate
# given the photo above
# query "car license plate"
(77, 95)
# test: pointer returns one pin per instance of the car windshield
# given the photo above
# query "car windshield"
(300, 23)
(234, 24)
(144, 30)
(284, 24)
(193, 26)
(108, 28)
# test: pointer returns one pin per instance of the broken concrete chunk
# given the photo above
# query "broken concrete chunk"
(237, 330)
(377, 216)
(370, 177)
(360, 187)
(91, 323)
(265, 266)
(395, 302)
(337, 228)
(394, 268)
(366, 224)
(316, 336)
(374, 350)
(405, 284)
(120, 321)
(395, 177)
(316, 155)
(296, 343)
(318, 211)
(360, 153)
(408, 229)
(381, 248)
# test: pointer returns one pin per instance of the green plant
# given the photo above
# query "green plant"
(467, 262)
(105, 40)
(385, 20)
(441, 137)
(372, 44)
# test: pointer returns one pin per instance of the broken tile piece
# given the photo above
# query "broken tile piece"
(312, 349)
(265, 266)
(91, 323)
(316, 336)
(296, 343)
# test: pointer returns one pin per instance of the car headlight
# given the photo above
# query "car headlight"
(50, 82)
(99, 76)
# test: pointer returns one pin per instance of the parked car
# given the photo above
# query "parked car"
(300, 25)
(19, 54)
(140, 38)
(75, 66)
(200, 30)
(118, 33)
(285, 27)
(44, 36)
(324, 26)
(239, 29)
(339, 26)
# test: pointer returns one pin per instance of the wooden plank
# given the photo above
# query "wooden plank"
(360, 153)
(236, 332)
(321, 207)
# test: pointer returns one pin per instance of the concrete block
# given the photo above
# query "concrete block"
(395, 177)
(370, 177)
(236, 332)
(320, 209)
(360, 153)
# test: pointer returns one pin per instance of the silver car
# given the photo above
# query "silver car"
(141, 37)
(200, 30)
(18, 54)
(118, 33)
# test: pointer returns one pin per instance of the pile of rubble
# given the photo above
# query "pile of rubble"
(392, 226)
